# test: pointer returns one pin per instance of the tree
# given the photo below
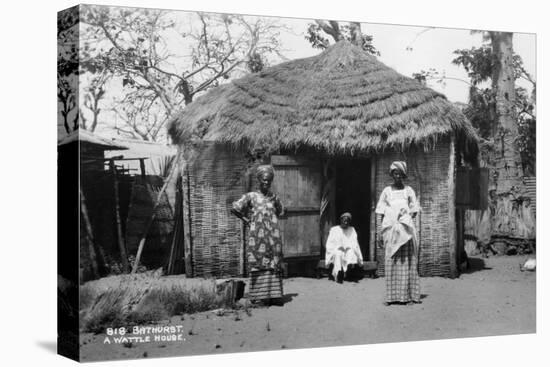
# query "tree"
(94, 91)
(317, 32)
(527, 124)
(141, 118)
(508, 166)
(482, 66)
(507, 170)
(162, 66)
(67, 68)
(479, 63)
(504, 116)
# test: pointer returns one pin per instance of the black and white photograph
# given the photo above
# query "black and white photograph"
(232, 183)
(251, 183)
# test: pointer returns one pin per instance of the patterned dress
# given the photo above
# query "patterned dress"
(400, 241)
(264, 248)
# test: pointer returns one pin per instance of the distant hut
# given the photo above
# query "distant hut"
(156, 157)
(81, 167)
(119, 182)
(330, 125)
(149, 164)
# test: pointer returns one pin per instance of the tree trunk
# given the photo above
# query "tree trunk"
(356, 35)
(508, 168)
(331, 28)
(506, 182)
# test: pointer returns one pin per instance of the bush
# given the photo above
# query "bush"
(145, 301)
(108, 317)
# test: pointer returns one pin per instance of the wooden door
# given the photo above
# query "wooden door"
(298, 184)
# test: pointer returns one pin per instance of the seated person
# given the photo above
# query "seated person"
(342, 248)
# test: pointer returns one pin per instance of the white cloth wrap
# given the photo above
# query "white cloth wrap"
(342, 249)
(398, 227)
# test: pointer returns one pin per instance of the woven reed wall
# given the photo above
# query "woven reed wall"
(216, 179)
(428, 176)
(531, 190)
(145, 192)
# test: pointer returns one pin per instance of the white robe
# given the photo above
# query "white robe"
(342, 249)
(398, 226)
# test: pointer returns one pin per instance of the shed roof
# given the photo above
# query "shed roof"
(85, 136)
(341, 101)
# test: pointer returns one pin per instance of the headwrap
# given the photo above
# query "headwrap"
(265, 168)
(346, 214)
(400, 166)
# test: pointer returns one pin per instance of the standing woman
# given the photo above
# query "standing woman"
(398, 208)
(260, 211)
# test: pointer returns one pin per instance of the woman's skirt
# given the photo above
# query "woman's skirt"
(265, 284)
(401, 273)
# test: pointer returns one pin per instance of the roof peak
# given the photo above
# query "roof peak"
(342, 54)
(342, 99)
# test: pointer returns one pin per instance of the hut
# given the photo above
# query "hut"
(330, 125)
(81, 174)
(120, 181)
(153, 156)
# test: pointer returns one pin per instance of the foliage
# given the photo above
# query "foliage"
(165, 165)
(481, 111)
(161, 60)
(159, 303)
(317, 35)
(431, 74)
(67, 67)
(94, 91)
(256, 62)
(527, 121)
(479, 63)
(153, 310)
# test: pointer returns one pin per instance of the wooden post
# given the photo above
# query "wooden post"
(452, 215)
(460, 236)
(327, 198)
(373, 201)
(178, 227)
(186, 219)
(89, 233)
(142, 167)
(120, 235)
(153, 216)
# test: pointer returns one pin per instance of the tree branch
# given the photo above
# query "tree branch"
(333, 29)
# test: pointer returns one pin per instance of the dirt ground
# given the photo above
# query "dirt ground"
(493, 298)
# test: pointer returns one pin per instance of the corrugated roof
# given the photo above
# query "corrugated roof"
(85, 136)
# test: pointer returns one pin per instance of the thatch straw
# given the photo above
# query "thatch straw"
(340, 101)
(126, 300)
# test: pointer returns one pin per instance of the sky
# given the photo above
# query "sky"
(31, 32)
(431, 48)
(407, 49)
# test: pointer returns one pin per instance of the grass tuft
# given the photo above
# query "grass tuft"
(147, 301)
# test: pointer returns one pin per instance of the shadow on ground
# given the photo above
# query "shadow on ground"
(288, 298)
(475, 264)
(48, 345)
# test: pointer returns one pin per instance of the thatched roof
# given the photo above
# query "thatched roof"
(340, 101)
